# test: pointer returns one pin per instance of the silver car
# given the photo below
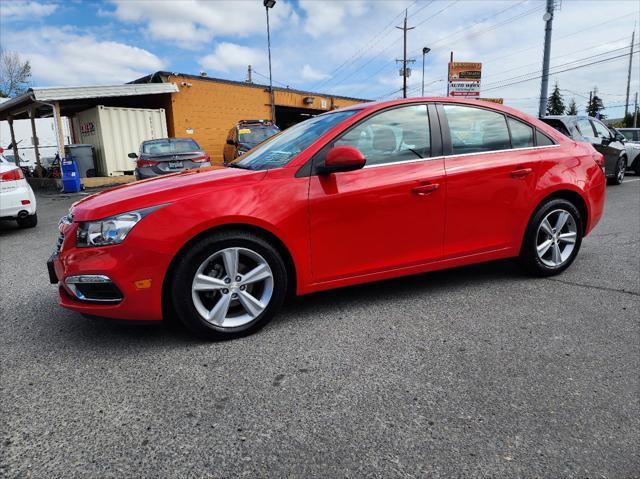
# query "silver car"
(632, 145)
(168, 155)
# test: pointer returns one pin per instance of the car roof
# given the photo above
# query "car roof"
(164, 140)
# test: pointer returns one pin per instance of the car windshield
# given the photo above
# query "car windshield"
(284, 147)
(169, 146)
(254, 134)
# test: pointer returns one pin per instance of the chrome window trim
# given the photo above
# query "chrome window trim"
(460, 155)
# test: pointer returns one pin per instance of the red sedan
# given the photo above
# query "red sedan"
(360, 194)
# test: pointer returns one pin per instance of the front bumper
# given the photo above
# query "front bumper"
(136, 272)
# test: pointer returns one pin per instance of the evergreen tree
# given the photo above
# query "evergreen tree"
(555, 103)
(573, 108)
(595, 106)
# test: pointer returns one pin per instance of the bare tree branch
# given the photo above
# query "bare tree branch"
(15, 74)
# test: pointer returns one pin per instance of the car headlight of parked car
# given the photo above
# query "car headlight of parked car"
(110, 231)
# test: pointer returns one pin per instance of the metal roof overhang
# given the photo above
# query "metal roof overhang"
(73, 99)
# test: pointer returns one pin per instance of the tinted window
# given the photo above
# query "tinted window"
(254, 134)
(474, 130)
(395, 135)
(584, 126)
(631, 135)
(521, 134)
(601, 130)
(542, 139)
(168, 146)
(280, 149)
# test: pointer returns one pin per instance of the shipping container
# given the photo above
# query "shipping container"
(115, 132)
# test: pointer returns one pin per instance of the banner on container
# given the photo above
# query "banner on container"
(464, 79)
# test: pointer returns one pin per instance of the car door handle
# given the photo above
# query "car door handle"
(521, 172)
(424, 190)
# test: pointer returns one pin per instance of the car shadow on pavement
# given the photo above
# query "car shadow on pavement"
(433, 283)
(107, 333)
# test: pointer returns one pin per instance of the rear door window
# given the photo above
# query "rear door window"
(475, 130)
(521, 134)
(585, 128)
(542, 139)
(601, 130)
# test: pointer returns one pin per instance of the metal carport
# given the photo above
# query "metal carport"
(43, 102)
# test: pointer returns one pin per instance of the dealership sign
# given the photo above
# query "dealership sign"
(464, 79)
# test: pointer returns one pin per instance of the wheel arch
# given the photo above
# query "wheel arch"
(573, 197)
(167, 307)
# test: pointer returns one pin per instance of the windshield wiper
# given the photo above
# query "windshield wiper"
(236, 165)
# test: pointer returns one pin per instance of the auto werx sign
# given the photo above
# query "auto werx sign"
(464, 79)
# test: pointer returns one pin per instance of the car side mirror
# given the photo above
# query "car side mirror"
(231, 142)
(133, 156)
(606, 140)
(342, 158)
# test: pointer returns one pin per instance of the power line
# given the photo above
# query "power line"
(370, 43)
(480, 32)
(560, 71)
(556, 66)
(391, 45)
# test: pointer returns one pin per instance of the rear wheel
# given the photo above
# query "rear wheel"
(621, 168)
(229, 285)
(28, 221)
(552, 239)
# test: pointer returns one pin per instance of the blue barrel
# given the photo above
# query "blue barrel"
(70, 175)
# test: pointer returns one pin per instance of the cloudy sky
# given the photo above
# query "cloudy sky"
(341, 47)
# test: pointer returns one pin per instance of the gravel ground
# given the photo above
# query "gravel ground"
(473, 372)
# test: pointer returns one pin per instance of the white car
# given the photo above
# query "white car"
(17, 200)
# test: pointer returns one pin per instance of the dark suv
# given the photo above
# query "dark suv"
(245, 135)
(168, 155)
(592, 130)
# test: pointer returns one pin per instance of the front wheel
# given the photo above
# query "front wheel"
(621, 168)
(552, 239)
(229, 285)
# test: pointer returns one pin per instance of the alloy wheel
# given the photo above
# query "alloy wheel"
(556, 238)
(232, 287)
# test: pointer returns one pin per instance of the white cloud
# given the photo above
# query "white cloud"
(193, 23)
(328, 17)
(230, 57)
(59, 57)
(20, 10)
(311, 74)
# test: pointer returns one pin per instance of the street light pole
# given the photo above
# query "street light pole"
(425, 50)
(267, 5)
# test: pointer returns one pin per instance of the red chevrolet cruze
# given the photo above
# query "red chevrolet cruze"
(359, 194)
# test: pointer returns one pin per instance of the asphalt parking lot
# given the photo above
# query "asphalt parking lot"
(474, 372)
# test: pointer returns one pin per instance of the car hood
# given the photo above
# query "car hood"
(161, 190)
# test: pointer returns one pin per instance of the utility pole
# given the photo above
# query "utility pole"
(405, 72)
(589, 104)
(249, 79)
(626, 103)
(635, 112)
(267, 5)
(544, 87)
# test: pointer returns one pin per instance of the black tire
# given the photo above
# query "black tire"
(196, 254)
(621, 168)
(529, 257)
(637, 169)
(28, 221)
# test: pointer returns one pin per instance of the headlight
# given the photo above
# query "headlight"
(109, 231)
